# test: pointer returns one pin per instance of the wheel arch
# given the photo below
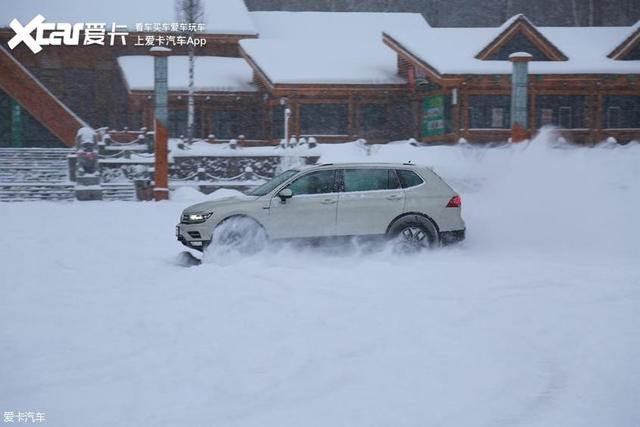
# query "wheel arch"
(420, 215)
(241, 215)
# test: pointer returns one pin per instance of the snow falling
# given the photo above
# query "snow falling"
(531, 321)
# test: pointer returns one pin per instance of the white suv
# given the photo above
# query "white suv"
(403, 201)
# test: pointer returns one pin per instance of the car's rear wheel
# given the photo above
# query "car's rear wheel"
(413, 233)
(238, 234)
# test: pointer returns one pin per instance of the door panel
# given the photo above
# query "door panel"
(311, 212)
(372, 198)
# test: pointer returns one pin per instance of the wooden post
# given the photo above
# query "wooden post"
(416, 108)
(351, 122)
(599, 113)
(464, 97)
(296, 118)
(455, 114)
(161, 92)
(532, 112)
(590, 121)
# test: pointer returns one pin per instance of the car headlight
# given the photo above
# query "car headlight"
(196, 218)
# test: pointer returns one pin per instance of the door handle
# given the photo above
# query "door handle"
(394, 197)
(329, 201)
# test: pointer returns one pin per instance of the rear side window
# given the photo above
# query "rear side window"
(319, 182)
(409, 178)
(370, 179)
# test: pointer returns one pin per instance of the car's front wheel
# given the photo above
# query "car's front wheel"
(412, 233)
(238, 234)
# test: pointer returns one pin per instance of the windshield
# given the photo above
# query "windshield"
(267, 187)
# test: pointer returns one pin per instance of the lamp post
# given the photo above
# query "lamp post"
(161, 133)
(287, 115)
(519, 83)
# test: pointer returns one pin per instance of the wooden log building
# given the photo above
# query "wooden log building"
(379, 76)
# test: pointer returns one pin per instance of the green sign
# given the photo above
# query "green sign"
(433, 116)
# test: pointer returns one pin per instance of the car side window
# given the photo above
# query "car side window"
(394, 181)
(409, 178)
(370, 179)
(318, 182)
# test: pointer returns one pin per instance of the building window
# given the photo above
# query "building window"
(324, 119)
(489, 112)
(519, 43)
(19, 128)
(622, 112)
(568, 112)
(177, 123)
(613, 117)
(546, 116)
(135, 118)
(564, 118)
(373, 118)
(400, 122)
(225, 124)
(277, 122)
(5, 120)
(497, 117)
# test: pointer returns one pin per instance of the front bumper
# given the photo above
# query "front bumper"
(192, 236)
(453, 236)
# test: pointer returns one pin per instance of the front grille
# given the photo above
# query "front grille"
(195, 234)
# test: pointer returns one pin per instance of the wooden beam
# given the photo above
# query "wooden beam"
(23, 87)
(408, 56)
(627, 45)
(521, 24)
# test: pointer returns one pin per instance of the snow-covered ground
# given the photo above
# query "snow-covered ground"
(532, 321)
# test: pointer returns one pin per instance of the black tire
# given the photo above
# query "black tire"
(238, 234)
(413, 233)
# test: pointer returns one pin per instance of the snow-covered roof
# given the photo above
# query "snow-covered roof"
(327, 47)
(323, 62)
(334, 25)
(220, 16)
(212, 73)
(454, 50)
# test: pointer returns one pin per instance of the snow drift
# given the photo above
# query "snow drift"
(531, 321)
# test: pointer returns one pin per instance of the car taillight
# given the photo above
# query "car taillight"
(454, 202)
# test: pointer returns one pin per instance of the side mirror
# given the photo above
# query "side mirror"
(285, 194)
